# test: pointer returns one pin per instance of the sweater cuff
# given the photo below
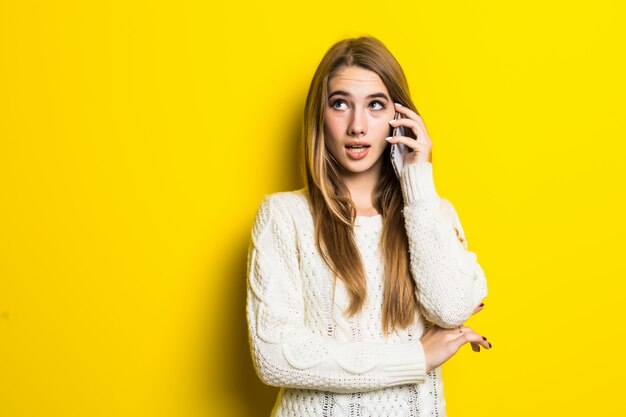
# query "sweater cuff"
(406, 363)
(417, 182)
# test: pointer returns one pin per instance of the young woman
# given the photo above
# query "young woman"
(359, 283)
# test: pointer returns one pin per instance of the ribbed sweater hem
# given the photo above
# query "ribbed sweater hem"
(417, 182)
(406, 363)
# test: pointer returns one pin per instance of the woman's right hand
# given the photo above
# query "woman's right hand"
(441, 344)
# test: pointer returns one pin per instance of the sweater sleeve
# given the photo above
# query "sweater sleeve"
(449, 281)
(287, 353)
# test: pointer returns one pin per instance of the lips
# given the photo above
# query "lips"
(357, 143)
(357, 151)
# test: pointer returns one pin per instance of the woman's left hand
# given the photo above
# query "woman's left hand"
(422, 146)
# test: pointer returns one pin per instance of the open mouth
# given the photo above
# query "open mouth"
(357, 151)
(358, 148)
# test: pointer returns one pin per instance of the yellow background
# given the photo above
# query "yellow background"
(138, 138)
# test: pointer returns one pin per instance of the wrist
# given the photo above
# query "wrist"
(427, 365)
(417, 182)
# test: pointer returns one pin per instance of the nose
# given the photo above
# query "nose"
(358, 123)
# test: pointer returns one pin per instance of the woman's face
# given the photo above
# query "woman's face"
(358, 112)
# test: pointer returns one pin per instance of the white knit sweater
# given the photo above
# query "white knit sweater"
(329, 364)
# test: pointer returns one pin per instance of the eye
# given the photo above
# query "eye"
(382, 105)
(335, 102)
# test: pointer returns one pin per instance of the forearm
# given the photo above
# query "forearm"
(450, 282)
(287, 354)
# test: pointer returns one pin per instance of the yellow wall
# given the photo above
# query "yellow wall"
(137, 139)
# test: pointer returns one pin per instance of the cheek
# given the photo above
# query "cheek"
(383, 128)
(332, 127)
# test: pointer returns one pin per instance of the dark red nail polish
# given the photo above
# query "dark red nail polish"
(490, 344)
(484, 338)
(481, 304)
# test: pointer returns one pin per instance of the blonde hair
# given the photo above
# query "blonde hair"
(333, 210)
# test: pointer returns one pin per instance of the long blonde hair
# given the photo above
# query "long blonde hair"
(333, 210)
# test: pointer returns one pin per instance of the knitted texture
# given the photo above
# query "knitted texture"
(328, 364)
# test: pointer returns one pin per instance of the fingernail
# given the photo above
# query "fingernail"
(398, 104)
(489, 344)
(389, 138)
(481, 304)
(484, 338)
(392, 121)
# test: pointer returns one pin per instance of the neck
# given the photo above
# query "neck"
(361, 186)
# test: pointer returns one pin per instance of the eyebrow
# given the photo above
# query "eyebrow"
(345, 93)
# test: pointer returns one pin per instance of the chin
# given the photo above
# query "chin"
(359, 166)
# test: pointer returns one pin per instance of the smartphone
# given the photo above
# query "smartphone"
(398, 150)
